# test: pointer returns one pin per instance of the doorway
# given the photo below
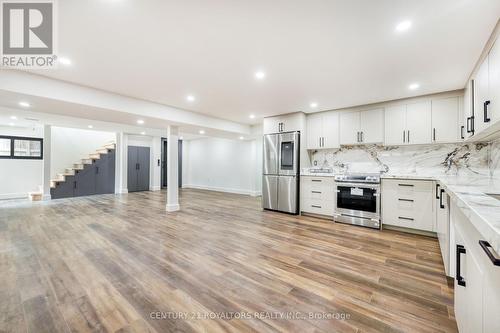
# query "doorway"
(164, 181)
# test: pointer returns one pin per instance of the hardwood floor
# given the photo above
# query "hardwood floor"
(122, 264)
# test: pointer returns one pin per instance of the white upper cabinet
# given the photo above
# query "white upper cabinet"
(408, 124)
(444, 116)
(331, 130)
(418, 123)
(372, 126)
(283, 123)
(395, 125)
(314, 131)
(481, 99)
(323, 130)
(362, 127)
(494, 80)
(349, 128)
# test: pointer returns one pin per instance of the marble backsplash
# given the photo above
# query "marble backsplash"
(432, 160)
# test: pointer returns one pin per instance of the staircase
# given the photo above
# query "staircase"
(90, 172)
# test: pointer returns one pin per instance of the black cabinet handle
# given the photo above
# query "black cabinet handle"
(434, 134)
(408, 136)
(441, 199)
(96, 170)
(406, 218)
(361, 136)
(404, 137)
(408, 200)
(437, 191)
(485, 107)
(473, 124)
(462, 132)
(459, 277)
(486, 247)
(316, 180)
(407, 185)
(74, 184)
(318, 192)
(314, 206)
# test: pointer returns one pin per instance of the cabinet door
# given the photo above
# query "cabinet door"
(395, 121)
(491, 296)
(85, 181)
(331, 130)
(271, 125)
(372, 126)
(468, 110)
(494, 80)
(314, 131)
(349, 128)
(144, 161)
(445, 120)
(481, 86)
(468, 298)
(132, 158)
(418, 123)
(105, 173)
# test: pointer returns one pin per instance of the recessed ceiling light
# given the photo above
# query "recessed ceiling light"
(90, 126)
(140, 121)
(252, 116)
(260, 75)
(190, 98)
(414, 86)
(64, 61)
(11, 124)
(143, 133)
(242, 138)
(314, 105)
(24, 104)
(403, 26)
(201, 132)
(13, 117)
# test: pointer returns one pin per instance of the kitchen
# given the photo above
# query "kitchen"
(425, 165)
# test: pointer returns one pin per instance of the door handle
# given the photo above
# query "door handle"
(441, 199)
(486, 247)
(459, 277)
(485, 107)
(437, 191)
(462, 132)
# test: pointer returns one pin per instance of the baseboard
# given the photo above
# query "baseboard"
(46, 197)
(172, 208)
(409, 230)
(9, 196)
(121, 191)
(223, 189)
(155, 188)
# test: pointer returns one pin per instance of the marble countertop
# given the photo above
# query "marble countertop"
(470, 193)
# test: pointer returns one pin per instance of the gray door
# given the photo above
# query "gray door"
(132, 157)
(144, 161)
(270, 162)
(287, 194)
(85, 181)
(105, 173)
(270, 192)
(138, 169)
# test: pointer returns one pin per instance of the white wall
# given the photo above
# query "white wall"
(70, 145)
(18, 177)
(221, 165)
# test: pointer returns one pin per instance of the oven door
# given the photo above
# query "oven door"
(358, 200)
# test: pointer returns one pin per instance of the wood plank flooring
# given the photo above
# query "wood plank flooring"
(122, 264)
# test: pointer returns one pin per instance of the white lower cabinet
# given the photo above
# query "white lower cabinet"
(408, 204)
(317, 195)
(443, 226)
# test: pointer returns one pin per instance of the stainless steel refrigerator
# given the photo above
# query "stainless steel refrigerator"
(280, 180)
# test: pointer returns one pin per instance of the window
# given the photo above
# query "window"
(14, 147)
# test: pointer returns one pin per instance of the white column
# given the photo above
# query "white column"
(121, 163)
(172, 169)
(156, 164)
(46, 162)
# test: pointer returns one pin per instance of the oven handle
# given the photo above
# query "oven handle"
(359, 185)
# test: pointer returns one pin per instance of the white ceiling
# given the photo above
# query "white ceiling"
(337, 53)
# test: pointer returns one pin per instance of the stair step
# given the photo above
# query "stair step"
(95, 156)
(79, 166)
(110, 146)
(69, 172)
(102, 151)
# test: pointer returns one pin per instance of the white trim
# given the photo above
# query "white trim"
(9, 196)
(155, 188)
(46, 197)
(223, 189)
(122, 191)
(172, 208)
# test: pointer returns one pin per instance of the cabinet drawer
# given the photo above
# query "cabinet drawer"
(408, 204)
(317, 207)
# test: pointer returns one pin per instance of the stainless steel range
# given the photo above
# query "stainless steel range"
(358, 199)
